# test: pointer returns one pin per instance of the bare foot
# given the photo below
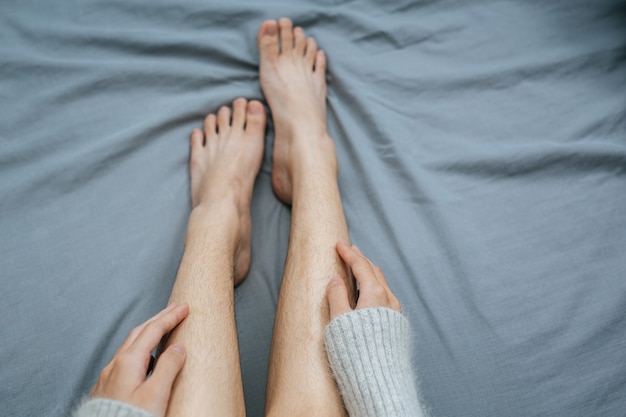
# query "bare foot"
(292, 75)
(225, 160)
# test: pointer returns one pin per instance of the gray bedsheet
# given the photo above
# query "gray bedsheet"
(482, 148)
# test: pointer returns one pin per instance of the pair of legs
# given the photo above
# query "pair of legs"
(225, 159)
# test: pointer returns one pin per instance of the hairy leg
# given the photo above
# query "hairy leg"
(304, 174)
(225, 160)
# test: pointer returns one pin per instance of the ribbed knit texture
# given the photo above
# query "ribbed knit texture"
(100, 407)
(369, 353)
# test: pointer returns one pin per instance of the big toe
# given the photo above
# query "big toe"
(255, 118)
(267, 40)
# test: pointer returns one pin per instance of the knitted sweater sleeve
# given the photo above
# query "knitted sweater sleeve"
(369, 353)
(101, 407)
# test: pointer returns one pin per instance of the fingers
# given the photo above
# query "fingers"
(377, 271)
(374, 290)
(124, 378)
(137, 330)
(394, 303)
(357, 250)
(360, 265)
(337, 295)
(165, 372)
(153, 332)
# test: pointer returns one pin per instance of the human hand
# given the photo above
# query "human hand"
(373, 288)
(124, 378)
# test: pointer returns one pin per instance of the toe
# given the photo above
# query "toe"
(299, 40)
(197, 139)
(239, 113)
(311, 51)
(210, 127)
(286, 35)
(255, 118)
(320, 63)
(196, 156)
(223, 120)
(267, 40)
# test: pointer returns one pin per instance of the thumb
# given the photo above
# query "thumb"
(162, 379)
(337, 294)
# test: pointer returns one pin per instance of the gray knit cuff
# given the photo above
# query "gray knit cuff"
(102, 407)
(369, 353)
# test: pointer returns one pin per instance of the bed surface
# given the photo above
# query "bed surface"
(482, 149)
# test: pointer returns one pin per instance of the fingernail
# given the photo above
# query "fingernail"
(178, 348)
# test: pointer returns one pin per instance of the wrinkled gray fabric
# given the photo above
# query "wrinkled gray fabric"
(482, 148)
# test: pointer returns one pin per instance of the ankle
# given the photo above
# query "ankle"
(300, 128)
(214, 217)
(317, 157)
(232, 192)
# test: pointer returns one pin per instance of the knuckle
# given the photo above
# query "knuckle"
(380, 292)
(125, 358)
(106, 371)
(175, 353)
(361, 262)
(135, 332)
(336, 285)
(104, 376)
(171, 354)
(156, 326)
(146, 395)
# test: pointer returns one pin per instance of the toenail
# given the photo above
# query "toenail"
(271, 29)
(255, 108)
